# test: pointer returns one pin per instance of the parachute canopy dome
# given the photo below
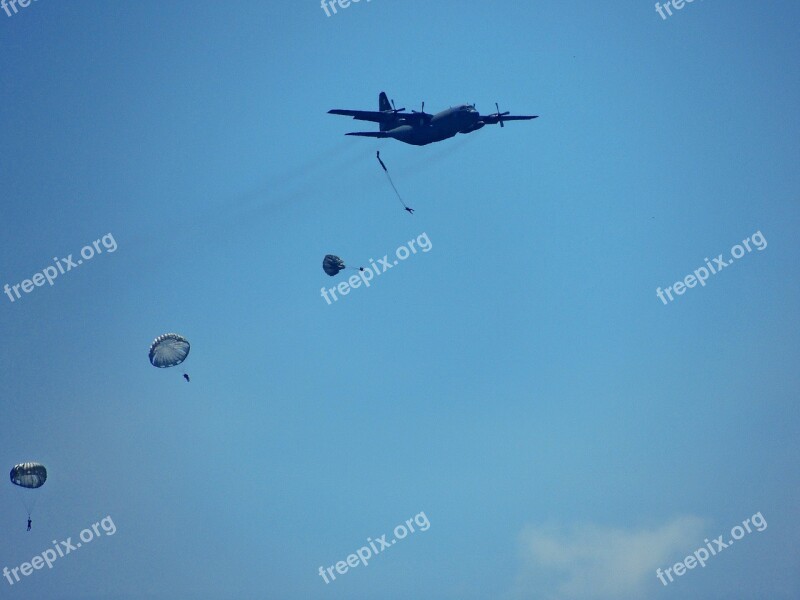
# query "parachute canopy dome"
(332, 264)
(168, 350)
(29, 475)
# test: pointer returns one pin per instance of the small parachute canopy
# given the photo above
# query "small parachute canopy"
(30, 475)
(168, 350)
(332, 264)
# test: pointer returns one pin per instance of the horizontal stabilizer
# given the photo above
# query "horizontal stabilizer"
(375, 134)
(365, 115)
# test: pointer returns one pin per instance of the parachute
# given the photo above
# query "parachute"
(29, 475)
(332, 264)
(168, 350)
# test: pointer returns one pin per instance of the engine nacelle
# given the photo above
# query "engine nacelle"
(475, 127)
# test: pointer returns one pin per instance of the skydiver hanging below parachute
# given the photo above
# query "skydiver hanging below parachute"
(169, 350)
(409, 210)
(29, 476)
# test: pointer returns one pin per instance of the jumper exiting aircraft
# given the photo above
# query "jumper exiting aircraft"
(420, 128)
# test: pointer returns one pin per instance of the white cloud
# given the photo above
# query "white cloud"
(598, 563)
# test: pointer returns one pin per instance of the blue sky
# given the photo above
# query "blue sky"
(563, 430)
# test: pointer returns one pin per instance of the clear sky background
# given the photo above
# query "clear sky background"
(564, 431)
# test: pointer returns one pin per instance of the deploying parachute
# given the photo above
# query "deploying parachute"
(169, 350)
(405, 206)
(29, 476)
(332, 264)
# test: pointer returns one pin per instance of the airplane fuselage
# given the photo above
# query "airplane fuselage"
(442, 125)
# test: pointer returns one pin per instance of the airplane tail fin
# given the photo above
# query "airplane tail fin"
(383, 104)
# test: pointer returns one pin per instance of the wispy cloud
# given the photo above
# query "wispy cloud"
(594, 563)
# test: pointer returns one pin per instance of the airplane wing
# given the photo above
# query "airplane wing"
(375, 134)
(494, 119)
(368, 115)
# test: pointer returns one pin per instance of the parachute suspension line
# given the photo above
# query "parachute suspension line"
(395, 190)
(28, 501)
(405, 206)
(24, 504)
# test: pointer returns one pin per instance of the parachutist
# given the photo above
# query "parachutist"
(410, 210)
(186, 377)
(29, 523)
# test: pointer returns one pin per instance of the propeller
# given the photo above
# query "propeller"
(424, 117)
(395, 109)
(500, 115)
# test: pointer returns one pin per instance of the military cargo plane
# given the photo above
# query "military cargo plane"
(421, 128)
